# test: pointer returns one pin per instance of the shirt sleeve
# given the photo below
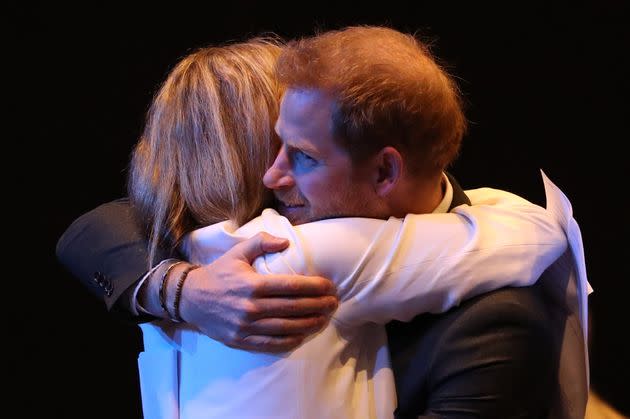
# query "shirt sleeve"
(399, 268)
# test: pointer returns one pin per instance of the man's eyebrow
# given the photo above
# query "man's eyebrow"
(301, 145)
(294, 143)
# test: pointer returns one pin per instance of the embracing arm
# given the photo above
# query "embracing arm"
(424, 263)
(443, 259)
(106, 250)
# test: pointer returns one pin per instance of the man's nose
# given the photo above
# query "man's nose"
(279, 175)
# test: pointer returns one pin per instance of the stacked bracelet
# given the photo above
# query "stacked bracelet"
(162, 292)
(178, 292)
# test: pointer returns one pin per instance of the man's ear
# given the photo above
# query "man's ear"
(388, 170)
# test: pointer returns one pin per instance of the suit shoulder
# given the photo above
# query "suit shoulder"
(507, 311)
(111, 216)
(525, 303)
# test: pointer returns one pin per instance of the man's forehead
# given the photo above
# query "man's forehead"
(308, 96)
(305, 117)
(304, 107)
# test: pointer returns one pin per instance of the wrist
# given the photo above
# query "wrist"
(156, 285)
(174, 308)
(190, 293)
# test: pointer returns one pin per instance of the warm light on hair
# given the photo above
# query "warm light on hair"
(389, 91)
(207, 141)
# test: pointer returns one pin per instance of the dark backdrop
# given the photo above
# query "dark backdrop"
(546, 87)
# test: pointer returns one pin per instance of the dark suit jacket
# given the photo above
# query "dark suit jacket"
(107, 251)
(493, 356)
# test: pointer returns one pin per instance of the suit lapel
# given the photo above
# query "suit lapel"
(459, 196)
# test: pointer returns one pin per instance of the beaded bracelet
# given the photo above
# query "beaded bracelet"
(178, 293)
(162, 293)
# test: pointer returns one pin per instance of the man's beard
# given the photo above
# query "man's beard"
(299, 210)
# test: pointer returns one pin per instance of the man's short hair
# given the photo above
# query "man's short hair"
(389, 91)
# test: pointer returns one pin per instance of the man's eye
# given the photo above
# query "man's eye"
(303, 159)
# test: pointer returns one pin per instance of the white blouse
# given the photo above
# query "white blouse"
(383, 270)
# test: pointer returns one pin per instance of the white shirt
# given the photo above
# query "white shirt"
(383, 270)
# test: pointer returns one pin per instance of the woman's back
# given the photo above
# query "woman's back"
(383, 270)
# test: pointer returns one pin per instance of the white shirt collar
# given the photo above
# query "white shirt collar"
(446, 201)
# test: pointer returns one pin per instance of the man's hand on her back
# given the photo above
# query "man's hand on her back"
(233, 304)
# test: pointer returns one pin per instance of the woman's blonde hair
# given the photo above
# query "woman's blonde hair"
(207, 141)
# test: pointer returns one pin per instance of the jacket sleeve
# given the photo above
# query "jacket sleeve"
(492, 357)
(106, 250)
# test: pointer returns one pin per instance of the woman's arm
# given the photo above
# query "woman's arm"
(396, 269)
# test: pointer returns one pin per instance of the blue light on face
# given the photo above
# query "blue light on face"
(301, 162)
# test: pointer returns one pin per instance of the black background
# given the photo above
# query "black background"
(546, 87)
